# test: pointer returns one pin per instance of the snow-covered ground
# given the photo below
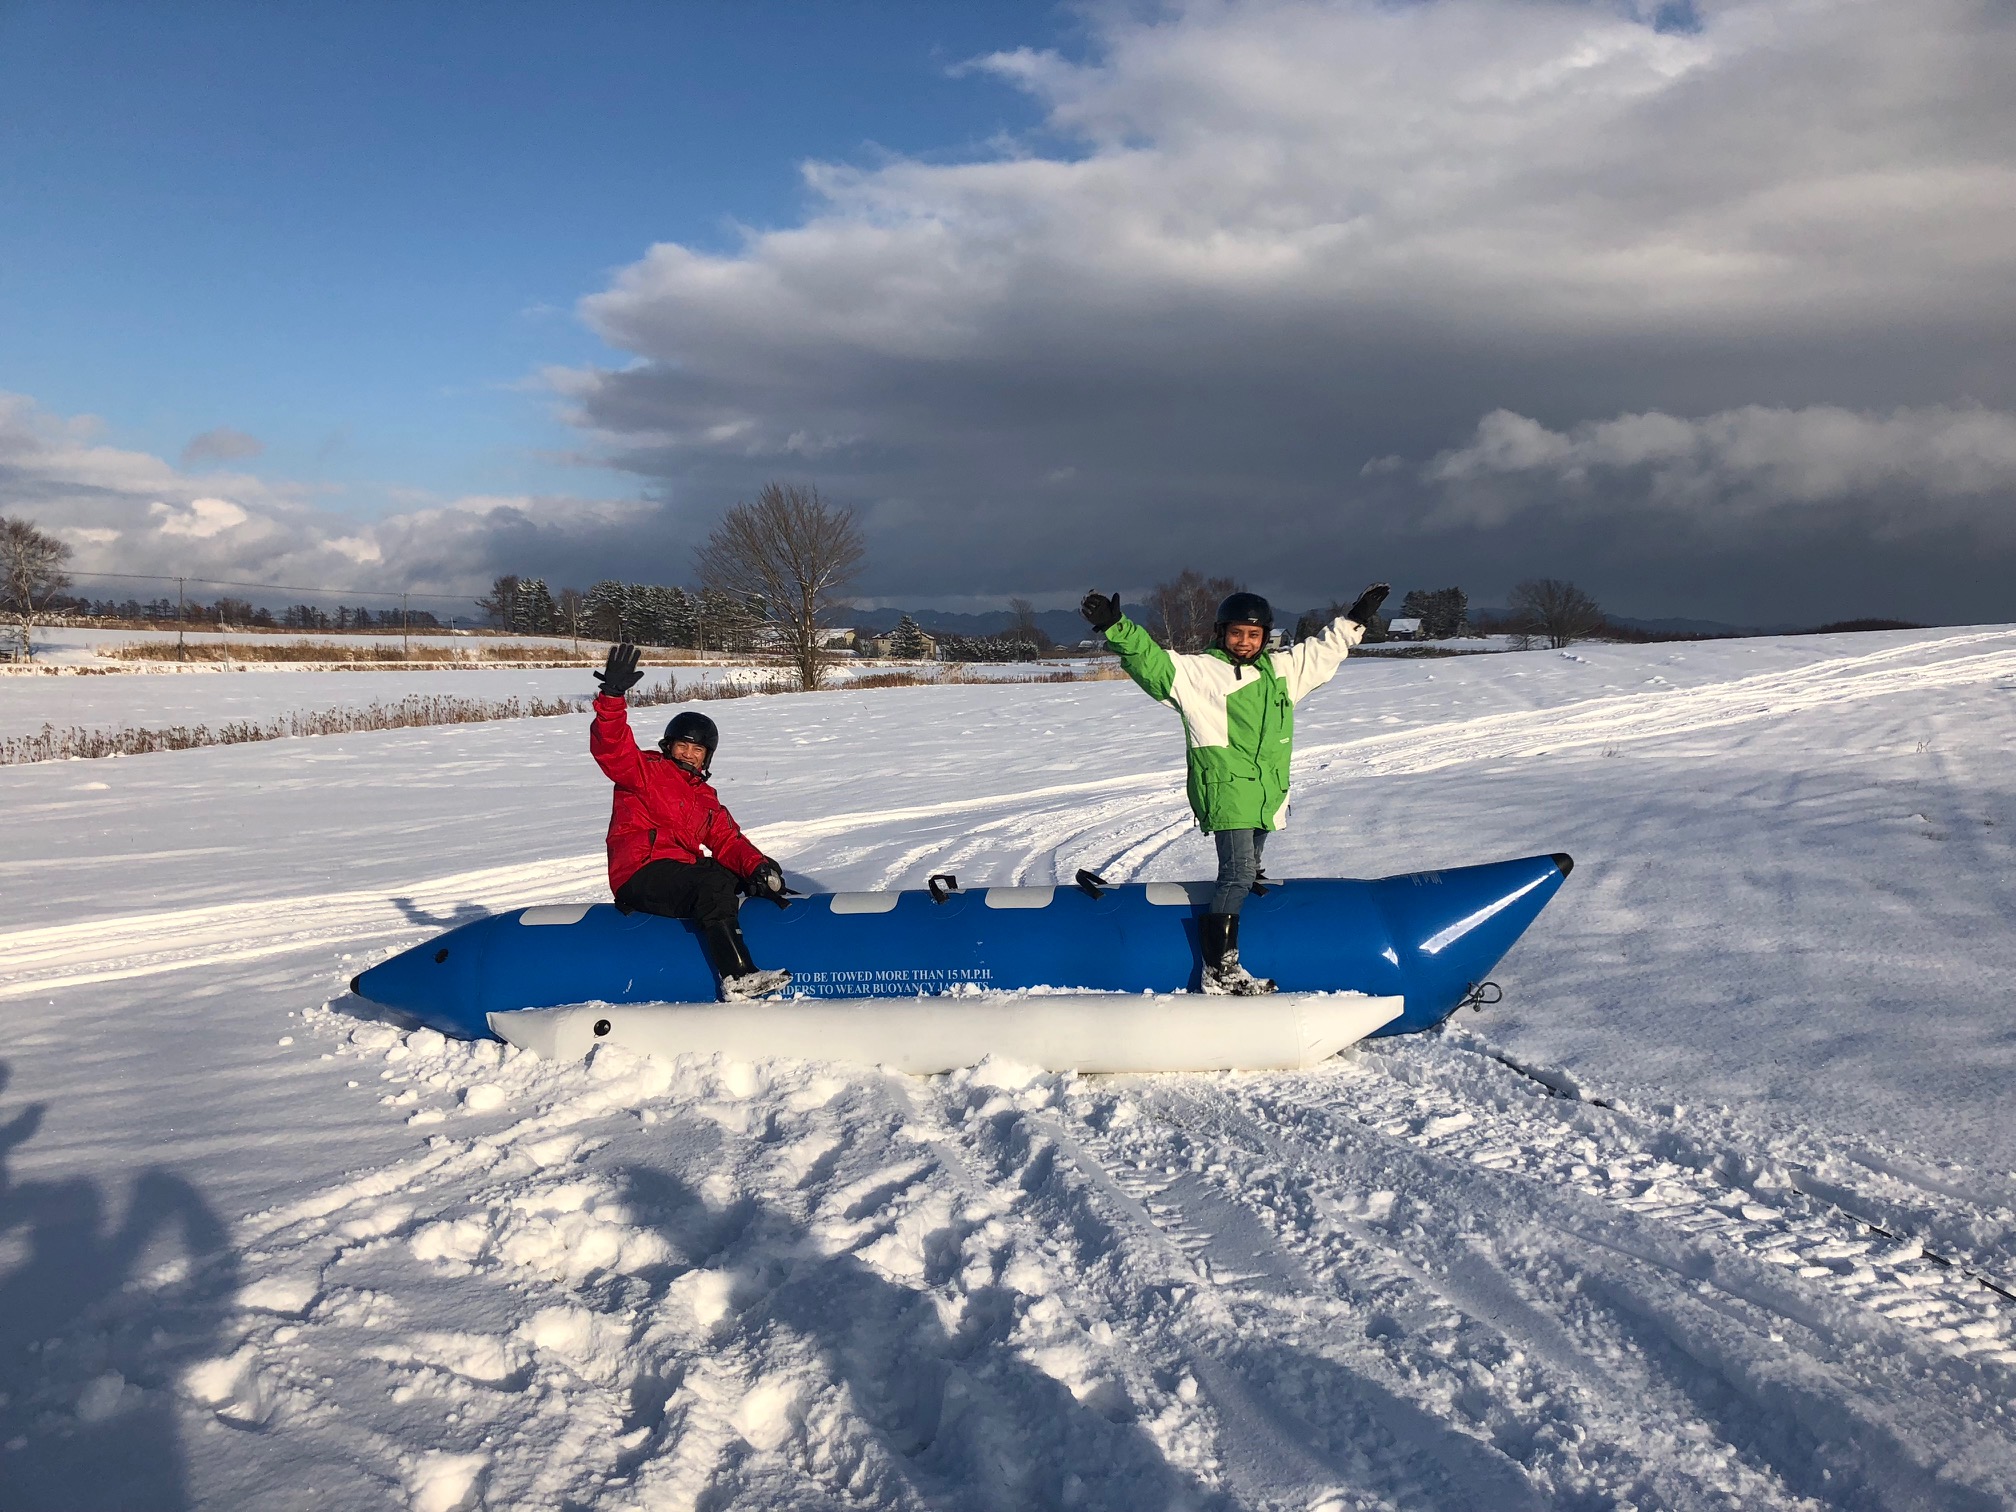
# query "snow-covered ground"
(258, 1248)
(156, 695)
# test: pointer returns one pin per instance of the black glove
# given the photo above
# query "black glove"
(767, 881)
(1368, 603)
(1101, 609)
(619, 674)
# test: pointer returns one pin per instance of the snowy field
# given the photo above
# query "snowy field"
(157, 695)
(260, 1249)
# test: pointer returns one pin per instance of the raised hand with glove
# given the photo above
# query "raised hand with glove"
(619, 673)
(1101, 610)
(1367, 604)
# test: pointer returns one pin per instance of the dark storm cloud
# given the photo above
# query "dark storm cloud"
(1289, 240)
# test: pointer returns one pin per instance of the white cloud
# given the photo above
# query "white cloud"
(1286, 236)
(131, 512)
(200, 520)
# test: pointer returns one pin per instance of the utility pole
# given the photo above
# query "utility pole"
(405, 647)
(181, 624)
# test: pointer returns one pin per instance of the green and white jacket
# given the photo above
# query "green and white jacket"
(1239, 721)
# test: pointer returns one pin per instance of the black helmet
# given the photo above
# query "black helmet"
(690, 724)
(1244, 608)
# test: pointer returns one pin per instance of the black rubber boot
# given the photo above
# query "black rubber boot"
(1215, 932)
(740, 979)
(1223, 975)
(727, 950)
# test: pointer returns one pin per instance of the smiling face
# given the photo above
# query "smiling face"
(689, 754)
(1243, 642)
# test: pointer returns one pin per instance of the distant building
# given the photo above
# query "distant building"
(883, 644)
(1403, 629)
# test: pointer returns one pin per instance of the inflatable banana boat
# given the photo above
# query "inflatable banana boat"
(1085, 977)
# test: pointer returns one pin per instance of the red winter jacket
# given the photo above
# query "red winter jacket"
(662, 811)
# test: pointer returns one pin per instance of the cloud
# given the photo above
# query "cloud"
(221, 445)
(1905, 472)
(202, 519)
(1259, 244)
(133, 513)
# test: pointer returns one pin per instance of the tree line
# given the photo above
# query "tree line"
(1182, 613)
(647, 614)
(231, 613)
(771, 574)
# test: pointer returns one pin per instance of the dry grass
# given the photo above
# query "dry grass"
(379, 653)
(963, 674)
(272, 651)
(673, 691)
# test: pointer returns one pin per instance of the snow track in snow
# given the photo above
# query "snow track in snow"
(1681, 711)
(133, 945)
(1410, 1278)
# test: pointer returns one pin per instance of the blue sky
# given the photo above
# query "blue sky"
(352, 230)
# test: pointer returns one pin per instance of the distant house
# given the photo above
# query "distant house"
(1403, 629)
(837, 639)
(883, 642)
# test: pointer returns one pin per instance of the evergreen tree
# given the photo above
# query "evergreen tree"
(906, 641)
(532, 608)
(1443, 612)
(605, 610)
(638, 624)
(682, 618)
(724, 621)
(657, 615)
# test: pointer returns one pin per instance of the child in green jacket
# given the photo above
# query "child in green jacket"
(1240, 730)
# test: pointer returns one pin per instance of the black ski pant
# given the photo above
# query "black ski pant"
(703, 890)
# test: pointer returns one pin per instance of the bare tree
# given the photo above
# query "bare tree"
(793, 553)
(570, 611)
(1025, 627)
(1181, 613)
(501, 607)
(31, 574)
(1554, 611)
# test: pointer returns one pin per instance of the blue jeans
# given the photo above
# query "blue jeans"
(1238, 864)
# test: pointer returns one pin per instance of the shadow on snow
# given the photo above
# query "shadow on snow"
(100, 1313)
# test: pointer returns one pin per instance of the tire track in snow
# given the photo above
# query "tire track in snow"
(1044, 820)
(1855, 1357)
(1677, 711)
(134, 945)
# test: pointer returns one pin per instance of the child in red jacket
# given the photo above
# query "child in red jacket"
(673, 849)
